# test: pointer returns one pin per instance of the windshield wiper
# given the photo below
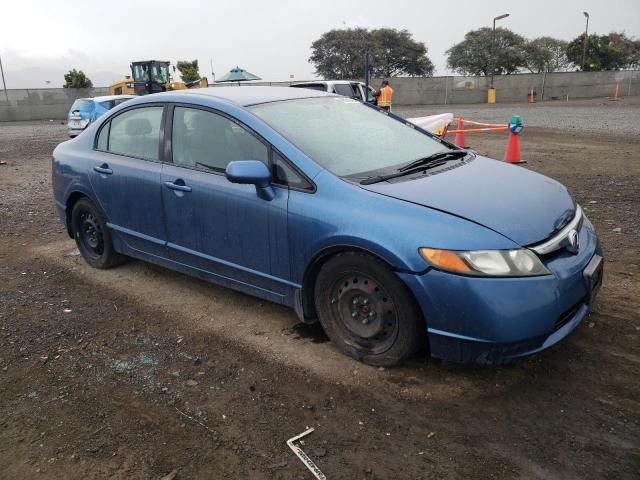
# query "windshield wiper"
(448, 154)
(401, 173)
(435, 160)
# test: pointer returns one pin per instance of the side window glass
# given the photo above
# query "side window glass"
(204, 139)
(136, 133)
(344, 89)
(104, 136)
(357, 91)
(285, 174)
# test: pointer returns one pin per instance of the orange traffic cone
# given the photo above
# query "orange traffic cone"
(459, 140)
(616, 93)
(512, 153)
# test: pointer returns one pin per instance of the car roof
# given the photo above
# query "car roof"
(247, 95)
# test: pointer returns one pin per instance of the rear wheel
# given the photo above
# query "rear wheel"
(92, 237)
(367, 311)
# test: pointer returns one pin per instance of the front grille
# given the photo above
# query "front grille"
(560, 240)
(568, 315)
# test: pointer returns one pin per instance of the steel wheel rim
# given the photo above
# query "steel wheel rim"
(365, 313)
(91, 234)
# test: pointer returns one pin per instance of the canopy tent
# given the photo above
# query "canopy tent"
(237, 75)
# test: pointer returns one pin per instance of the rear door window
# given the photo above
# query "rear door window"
(134, 133)
(203, 139)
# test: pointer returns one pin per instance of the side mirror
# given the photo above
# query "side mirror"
(251, 172)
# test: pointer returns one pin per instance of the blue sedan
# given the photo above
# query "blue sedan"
(391, 238)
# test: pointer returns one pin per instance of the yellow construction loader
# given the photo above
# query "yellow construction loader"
(151, 76)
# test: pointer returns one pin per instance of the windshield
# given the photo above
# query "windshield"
(344, 136)
(140, 73)
(160, 72)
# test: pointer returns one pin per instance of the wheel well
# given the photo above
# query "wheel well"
(71, 201)
(312, 271)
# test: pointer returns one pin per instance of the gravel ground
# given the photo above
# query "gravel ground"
(594, 115)
(139, 372)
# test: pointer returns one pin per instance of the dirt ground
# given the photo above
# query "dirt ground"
(138, 372)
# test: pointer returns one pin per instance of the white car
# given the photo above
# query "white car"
(84, 111)
(345, 88)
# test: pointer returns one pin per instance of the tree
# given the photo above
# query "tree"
(546, 54)
(614, 51)
(396, 53)
(635, 55)
(473, 55)
(188, 70)
(76, 79)
(340, 54)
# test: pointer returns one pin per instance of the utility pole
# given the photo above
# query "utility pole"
(4, 83)
(584, 44)
(493, 46)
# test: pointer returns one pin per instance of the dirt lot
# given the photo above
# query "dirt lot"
(138, 371)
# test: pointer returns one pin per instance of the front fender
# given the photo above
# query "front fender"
(341, 214)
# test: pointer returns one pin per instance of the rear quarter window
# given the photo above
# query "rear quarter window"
(103, 138)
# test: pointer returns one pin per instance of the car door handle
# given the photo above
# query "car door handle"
(177, 186)
(104, 169)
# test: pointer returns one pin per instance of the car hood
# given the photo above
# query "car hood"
(520, 204)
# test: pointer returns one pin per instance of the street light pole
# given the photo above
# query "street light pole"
(366, 74)
(584, 44)
(493, 46)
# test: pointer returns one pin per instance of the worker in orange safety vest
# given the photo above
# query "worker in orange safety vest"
(384, 95)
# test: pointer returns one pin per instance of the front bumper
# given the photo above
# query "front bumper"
(496, 320)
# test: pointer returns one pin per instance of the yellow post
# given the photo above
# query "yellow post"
(491, 95)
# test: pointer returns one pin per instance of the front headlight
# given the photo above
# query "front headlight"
(492, 263)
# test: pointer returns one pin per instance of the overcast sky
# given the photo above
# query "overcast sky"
(41, 40)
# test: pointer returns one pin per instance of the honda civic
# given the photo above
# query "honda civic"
(393, 239)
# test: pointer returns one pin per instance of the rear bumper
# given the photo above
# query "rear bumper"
(496, 320)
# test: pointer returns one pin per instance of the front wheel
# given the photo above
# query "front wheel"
(367, 311)
(92, 237)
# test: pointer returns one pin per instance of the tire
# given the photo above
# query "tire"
(89, 228)
(367, 311)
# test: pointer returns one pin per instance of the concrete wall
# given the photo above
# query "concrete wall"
(512, 88)
(509, 88)
(54, 103)
(42, 103)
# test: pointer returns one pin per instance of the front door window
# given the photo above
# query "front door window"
(209, 141)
